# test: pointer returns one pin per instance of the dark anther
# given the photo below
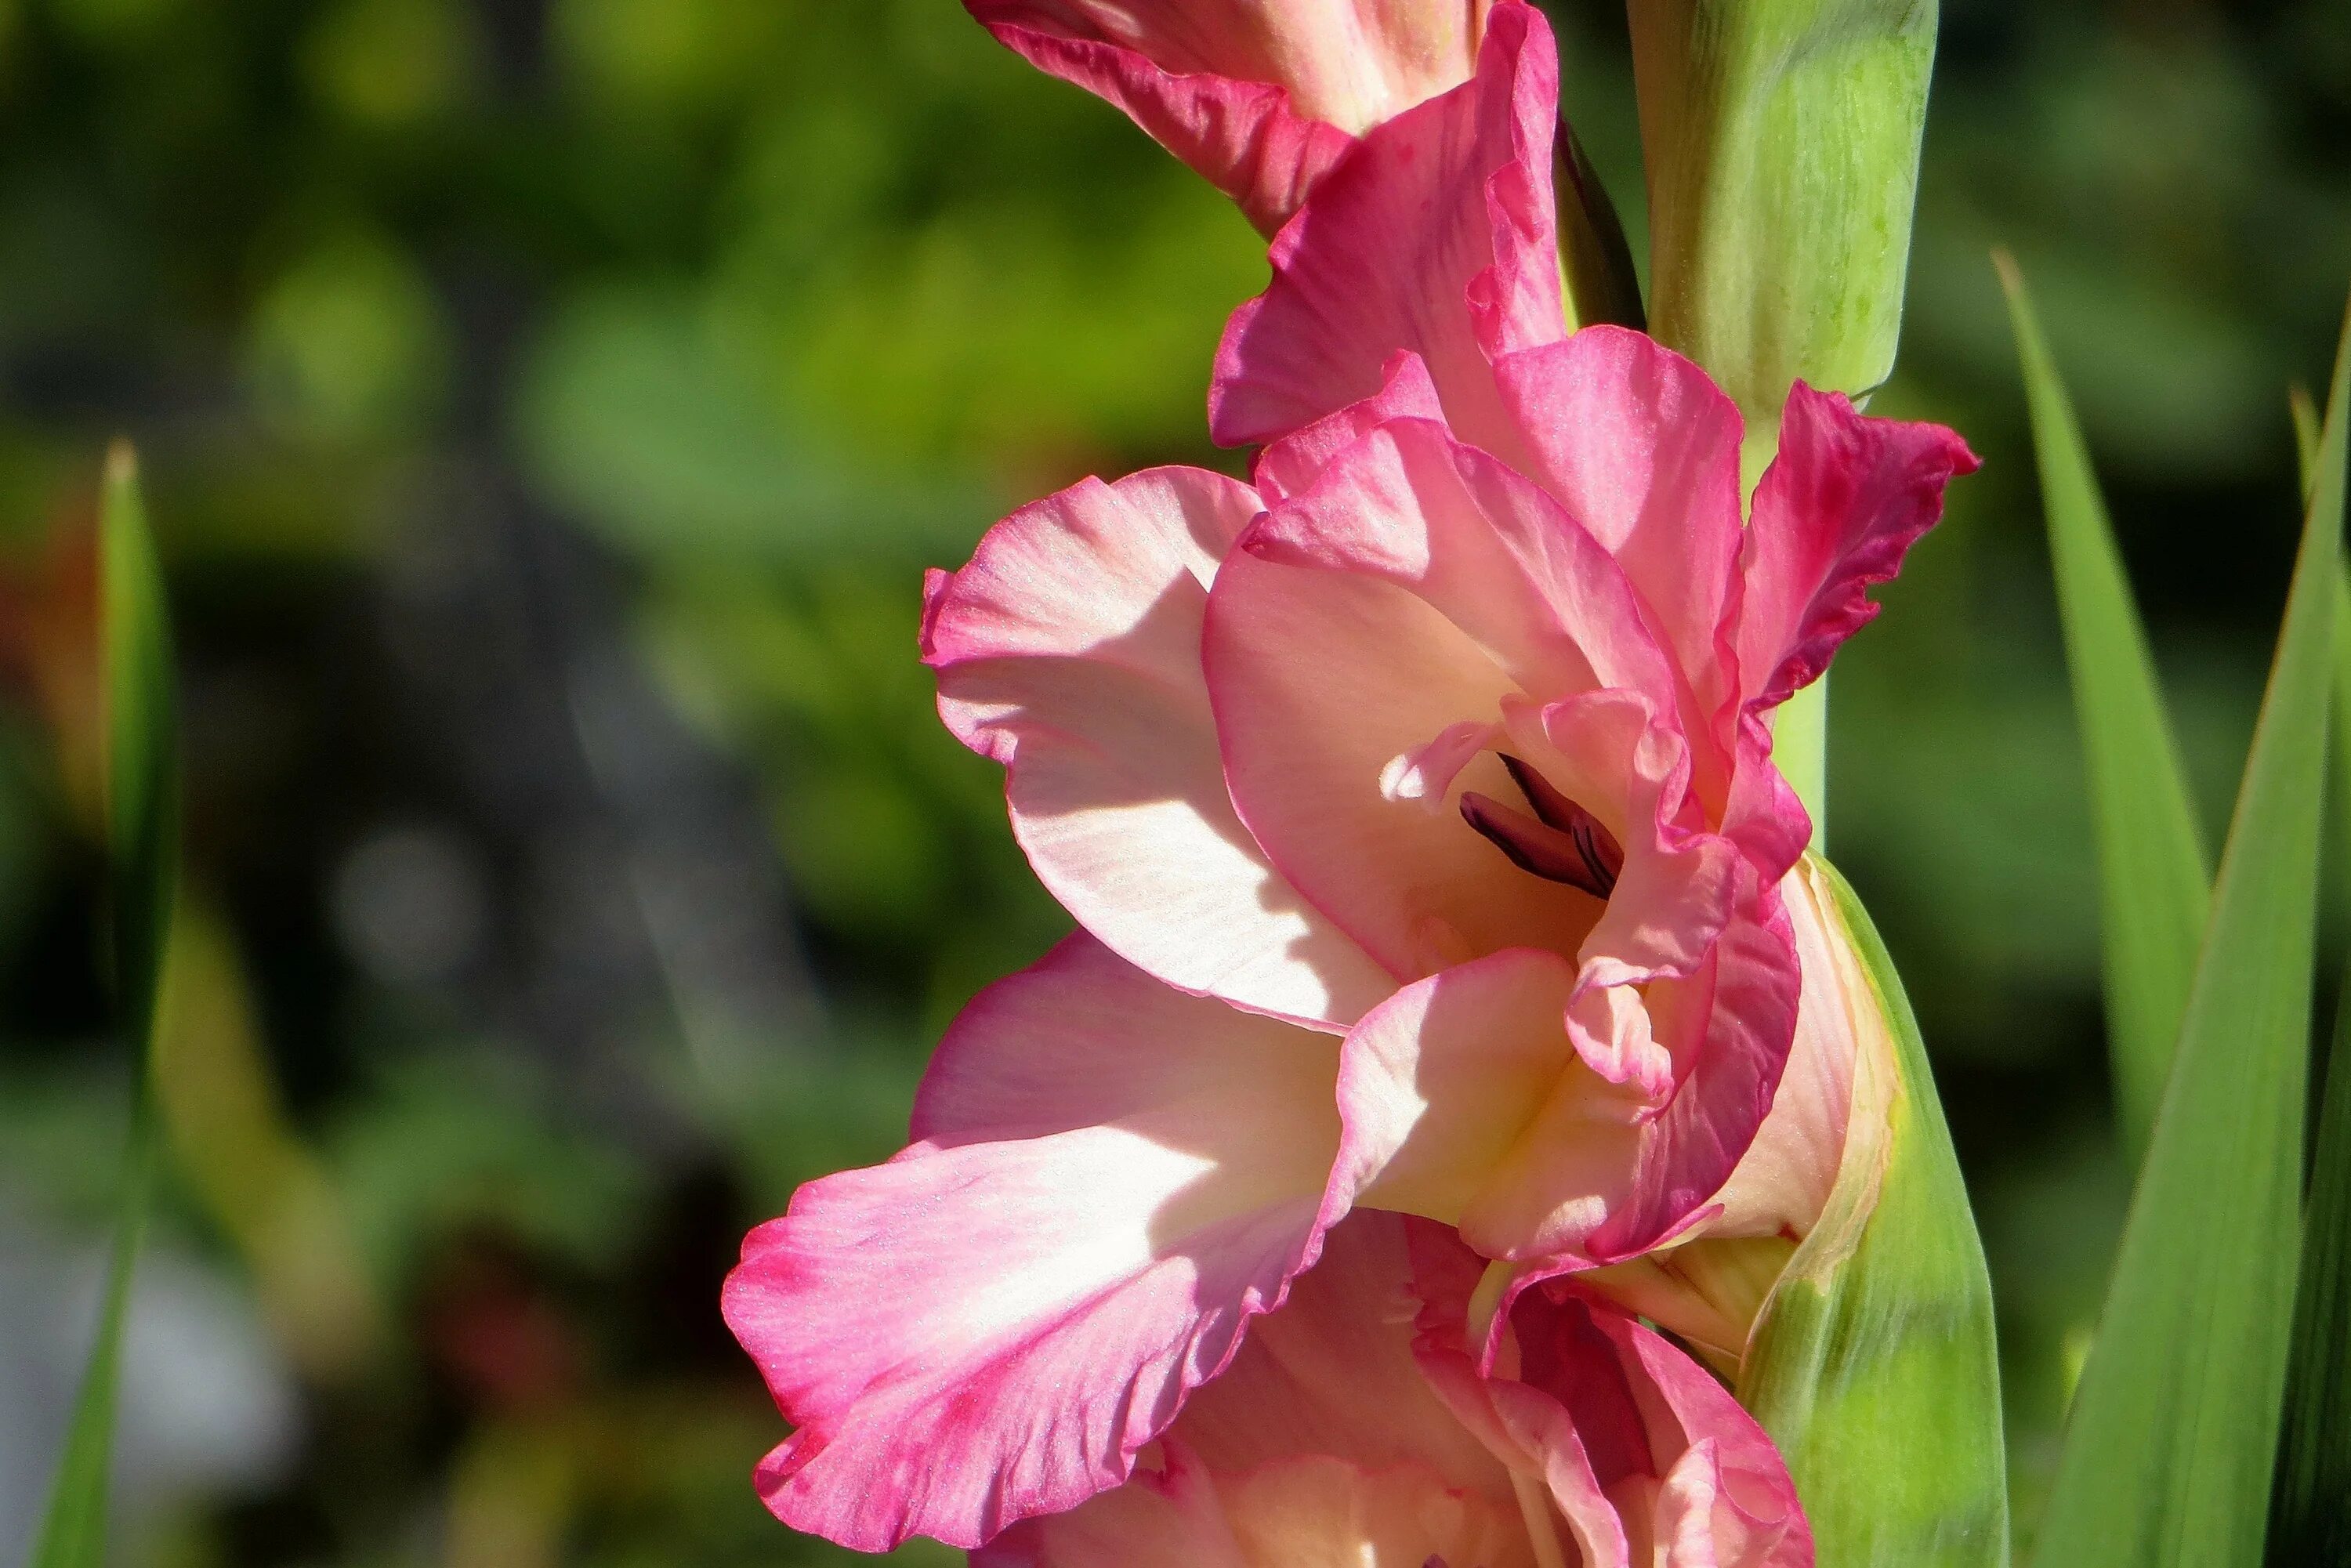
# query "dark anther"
(1561, 843)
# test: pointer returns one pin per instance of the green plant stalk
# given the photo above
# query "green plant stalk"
(1799, 745)
(1875, 1365)
(2154, 878)
(142, 836)
(2169, 1454)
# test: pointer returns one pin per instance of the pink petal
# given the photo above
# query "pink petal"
(1332, 1372)
(1244, 137)
(1753, 1517)
(1260, 96)
(1321, 1442)
(1070, 650)
(1322, 681)
(1835, 512)
(1436, 234)
(1113, 1178)
(1710, 1286)
(1315, 1511)
(1676, 887)
(1641, 449)
(1462, 1093)
(1166, 1517)
(1650, 1460)
(1293, 462)
(1411, 502)
(1729, 1026)
(1783, 1182)
(1467, 1101)
(1416, 586)
(1303, 1510)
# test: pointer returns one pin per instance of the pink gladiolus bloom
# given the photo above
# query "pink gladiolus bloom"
(1416, 805)
(1356, 1427)
(1419, 815)
(1262, 97)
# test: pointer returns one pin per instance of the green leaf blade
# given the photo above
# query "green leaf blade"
(2310, 1508)
(2168, 1453)
(2310, 1518)
(142, 834)
(1875, 1365)
(142, 746)
(2154, 879)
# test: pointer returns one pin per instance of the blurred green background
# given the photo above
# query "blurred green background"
(550, 407)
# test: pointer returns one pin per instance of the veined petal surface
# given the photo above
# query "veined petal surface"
(1111, 1179)
(1069, 650)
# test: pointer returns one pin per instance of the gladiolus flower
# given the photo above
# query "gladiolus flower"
(1356, 1427)
(1262, 97)
(1416, 805)
(1419, 815)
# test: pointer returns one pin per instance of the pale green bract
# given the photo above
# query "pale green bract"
(1874, 1364)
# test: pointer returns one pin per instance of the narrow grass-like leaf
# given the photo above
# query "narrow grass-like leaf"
(2310, 1509)
(2154, 881)
(142, 822)
(2306, 443)
(2174, 1430)
(1873, 1365)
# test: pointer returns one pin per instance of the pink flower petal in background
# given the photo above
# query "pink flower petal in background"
(1334, 1373)
(1261, 97)
(1435, 235)
(1069, 650)
(1110, 1179)
(1322, 1445)
(1650, 1462)
(1366, 1432)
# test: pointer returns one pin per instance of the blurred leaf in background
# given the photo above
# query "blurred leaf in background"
(140, 781)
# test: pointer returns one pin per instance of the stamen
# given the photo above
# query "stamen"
(1562, 842)
(1555, 809)
(1601, 850)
